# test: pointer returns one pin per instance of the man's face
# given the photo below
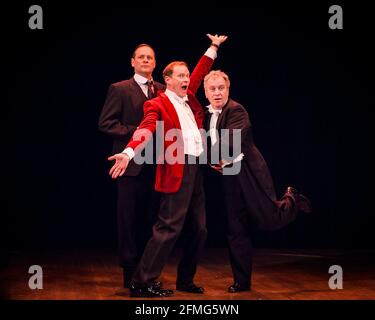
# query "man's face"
(144, 61)
(217, 92)
(179, 81)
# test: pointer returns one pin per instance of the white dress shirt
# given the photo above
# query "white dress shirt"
(142, 82)
(192, 138)
(213, 123)
(213, 131)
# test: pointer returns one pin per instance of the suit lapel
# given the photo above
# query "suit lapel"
(220, 119)
(170, 110)
(137, 90)
(207, 119)
(222, 115)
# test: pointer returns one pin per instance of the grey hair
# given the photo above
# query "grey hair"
(216, 74)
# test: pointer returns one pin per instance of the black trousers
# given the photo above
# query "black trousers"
(185, 207)
(268, 214)
(137, 203)
(248, 206)
(238, 230)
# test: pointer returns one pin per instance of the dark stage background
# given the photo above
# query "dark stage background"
(308, 89)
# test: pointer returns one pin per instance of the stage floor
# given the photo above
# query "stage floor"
(277, 275)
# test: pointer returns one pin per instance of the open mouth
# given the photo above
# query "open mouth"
(184, 87)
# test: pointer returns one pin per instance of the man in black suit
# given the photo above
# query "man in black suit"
(246, 181)
(121, 114)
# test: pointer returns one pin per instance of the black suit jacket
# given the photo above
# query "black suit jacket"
(122, 113)
(254, 169)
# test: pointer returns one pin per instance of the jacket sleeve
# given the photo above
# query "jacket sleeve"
(146, 129)
(200, 71)
(238, 124)
(110, 117)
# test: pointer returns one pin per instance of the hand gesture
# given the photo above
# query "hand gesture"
(218, 40)
(118, 169)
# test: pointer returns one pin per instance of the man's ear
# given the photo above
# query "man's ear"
(132, 62)
(205, 93)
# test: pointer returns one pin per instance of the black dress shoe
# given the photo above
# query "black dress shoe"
(302, 202)
(127, 276)
(190, 287)
(148, 292)
(157, 284)
(236, 287)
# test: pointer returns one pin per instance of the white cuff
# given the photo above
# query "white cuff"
(211, 53)
(129, 152)
(237, 159)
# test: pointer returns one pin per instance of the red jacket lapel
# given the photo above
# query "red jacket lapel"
(171, 111)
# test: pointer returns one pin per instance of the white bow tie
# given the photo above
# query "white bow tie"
(182, 100)
(212, 110)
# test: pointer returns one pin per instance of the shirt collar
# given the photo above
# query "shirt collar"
(172, 95)
(212, 110)
(140, 79)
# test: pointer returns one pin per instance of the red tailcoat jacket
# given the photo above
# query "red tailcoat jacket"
(169, 176)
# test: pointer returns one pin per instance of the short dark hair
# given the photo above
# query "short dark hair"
(140, 46)
(168, 70)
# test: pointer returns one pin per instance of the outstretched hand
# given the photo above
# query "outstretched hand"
(118, 169)
(216, 39)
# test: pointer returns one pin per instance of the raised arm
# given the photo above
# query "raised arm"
(205, 63)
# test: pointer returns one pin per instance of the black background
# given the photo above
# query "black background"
(308, 90)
